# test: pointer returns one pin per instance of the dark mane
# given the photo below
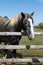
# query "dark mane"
(29, 15)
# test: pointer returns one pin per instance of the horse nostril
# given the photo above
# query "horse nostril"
(29, 32)
(31, 36)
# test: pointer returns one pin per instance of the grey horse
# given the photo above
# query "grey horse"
(16, 24)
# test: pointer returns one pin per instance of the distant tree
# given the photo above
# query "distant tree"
(36, 26)
(5, 17)
(41, 25)
(0, 16)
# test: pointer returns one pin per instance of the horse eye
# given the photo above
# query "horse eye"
(28, 25)
(27, 22)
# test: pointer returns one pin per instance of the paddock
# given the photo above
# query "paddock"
(36, 47)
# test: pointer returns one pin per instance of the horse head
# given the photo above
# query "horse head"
(28, 24)
(23, 21)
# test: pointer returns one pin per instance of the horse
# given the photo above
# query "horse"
(16, 24)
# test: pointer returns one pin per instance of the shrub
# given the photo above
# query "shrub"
(41, 25)
(5, 17)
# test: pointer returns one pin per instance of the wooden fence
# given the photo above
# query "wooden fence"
(20, 47)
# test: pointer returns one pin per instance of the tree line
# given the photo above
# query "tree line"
(4, 17)
(40, 25)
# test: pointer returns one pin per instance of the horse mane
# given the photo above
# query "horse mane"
(7, 23)
(15, 20)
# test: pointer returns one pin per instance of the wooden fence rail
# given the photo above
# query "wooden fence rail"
(21, 47)
(22, 60)
(18, 33)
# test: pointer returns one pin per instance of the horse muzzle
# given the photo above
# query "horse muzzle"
(30, 35)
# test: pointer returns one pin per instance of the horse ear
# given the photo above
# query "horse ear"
(23, 15)
(32, 14)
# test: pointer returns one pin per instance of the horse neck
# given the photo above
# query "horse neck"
(18, 27)
(16, 24)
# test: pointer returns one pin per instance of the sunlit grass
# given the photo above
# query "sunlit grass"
(37, 40)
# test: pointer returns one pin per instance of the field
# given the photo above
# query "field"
(38, 40)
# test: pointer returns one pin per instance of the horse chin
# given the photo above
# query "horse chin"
(30, 38)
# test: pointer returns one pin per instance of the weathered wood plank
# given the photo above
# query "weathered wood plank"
(38, 33)
(18, 33)
(21, 47)
(22, 60)
(10, 34)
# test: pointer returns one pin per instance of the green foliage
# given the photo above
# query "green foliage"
(5, 17)
(0, 16)
(41, 25)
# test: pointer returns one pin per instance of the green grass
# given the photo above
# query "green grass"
(38, 40)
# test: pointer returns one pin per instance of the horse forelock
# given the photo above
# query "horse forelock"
(28, 16)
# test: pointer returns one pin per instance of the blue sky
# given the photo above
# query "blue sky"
(12, 7)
